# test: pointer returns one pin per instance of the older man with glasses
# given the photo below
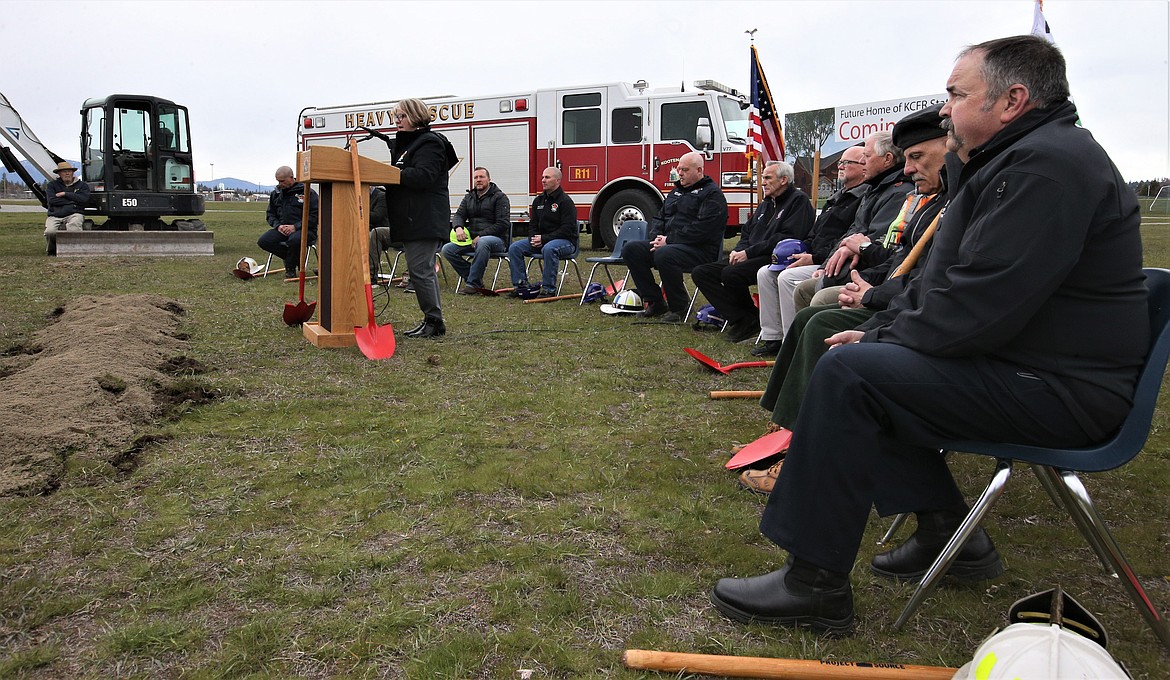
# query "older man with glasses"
(776, 288)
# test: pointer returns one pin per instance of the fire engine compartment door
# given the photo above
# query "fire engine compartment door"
(582, 131)
(676, 133)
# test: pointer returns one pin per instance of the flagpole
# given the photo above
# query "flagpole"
(753, 157)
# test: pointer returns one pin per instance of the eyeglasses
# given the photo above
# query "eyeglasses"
(845, 164)
(400, 117)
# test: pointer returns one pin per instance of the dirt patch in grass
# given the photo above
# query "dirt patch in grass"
(88, 384)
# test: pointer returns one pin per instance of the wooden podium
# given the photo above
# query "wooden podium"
(342, 233)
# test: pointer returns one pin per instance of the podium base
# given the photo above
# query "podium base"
(319, 337)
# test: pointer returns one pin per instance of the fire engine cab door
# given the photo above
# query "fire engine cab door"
(581, 148)
(676, 133)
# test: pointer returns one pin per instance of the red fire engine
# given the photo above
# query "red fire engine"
(616, 144)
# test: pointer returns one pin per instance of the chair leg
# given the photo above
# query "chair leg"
(1061, 498)
(691, 307)
(496, 278)
(1082, 506)
(267, 266)
(1003, 472)
(899, 520)
(590, 280)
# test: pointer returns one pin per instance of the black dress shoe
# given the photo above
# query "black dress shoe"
(798, 594)
(770, 348)
(745, 329)
(416, 330)
(976, 561)
(430, 329)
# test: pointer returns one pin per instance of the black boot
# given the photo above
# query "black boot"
(976, 561)
(798, 594)
(430, 328)
(417, 329)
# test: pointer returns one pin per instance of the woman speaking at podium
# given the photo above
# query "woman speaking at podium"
(419, 207)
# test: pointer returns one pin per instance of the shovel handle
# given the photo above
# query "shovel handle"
(736, 394)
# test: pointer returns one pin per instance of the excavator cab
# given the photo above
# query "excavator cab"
(136, 158)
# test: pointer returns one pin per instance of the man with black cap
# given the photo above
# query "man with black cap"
(996, 339)
(67, 198)
(923, 142)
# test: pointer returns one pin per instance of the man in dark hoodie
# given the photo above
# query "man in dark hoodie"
(552, 232)
(686, 233)
(483, 218)
(785, 213)
(1028, 324)
(285, 210)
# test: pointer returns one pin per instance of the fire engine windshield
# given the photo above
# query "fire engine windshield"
(735, 120)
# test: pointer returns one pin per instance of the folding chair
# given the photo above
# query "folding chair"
(1057, 471)
(565, 262)
(305, 265)
(500, 258)
(631, 230)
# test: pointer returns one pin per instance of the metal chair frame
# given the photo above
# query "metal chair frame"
(1057, 471)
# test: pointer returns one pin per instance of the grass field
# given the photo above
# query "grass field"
(541, 489)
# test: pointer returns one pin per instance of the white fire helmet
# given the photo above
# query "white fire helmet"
(1055, 639)
(249, 266)
(625, 302)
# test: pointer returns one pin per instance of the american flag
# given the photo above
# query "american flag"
(767, 139)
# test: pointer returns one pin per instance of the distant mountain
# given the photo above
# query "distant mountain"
(229, 183)
(233, 184)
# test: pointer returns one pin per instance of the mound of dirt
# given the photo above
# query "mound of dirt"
(86, 385)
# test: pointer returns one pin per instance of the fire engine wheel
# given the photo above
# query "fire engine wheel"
(628, 204)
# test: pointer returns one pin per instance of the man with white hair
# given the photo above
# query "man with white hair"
(785, 213)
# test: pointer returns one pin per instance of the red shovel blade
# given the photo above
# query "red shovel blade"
(716, 366)
(374, 342)
(616, 288)
(243, 275)
(295, 315)
(487, 291)
(768, 445)
(705, 360)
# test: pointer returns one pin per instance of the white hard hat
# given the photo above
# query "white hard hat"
(1029, 651)
(625, 302)
(247, 264)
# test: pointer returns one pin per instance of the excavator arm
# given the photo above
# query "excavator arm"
(14, 132)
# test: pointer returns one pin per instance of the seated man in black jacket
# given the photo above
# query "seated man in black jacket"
(686, 233)
(994, 340)
(784, 213)
(484, 218)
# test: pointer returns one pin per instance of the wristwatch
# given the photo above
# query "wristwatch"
(863, 246)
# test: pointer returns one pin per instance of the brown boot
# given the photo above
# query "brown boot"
(760, 481)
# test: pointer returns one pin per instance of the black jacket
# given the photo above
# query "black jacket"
(553, 216)
(1036, 262)
(694, 216)
(791, 218)
(884, 288)
(881, 203)
(286, 206)
(833, 221)
(487, 215)
(420, 206)
(74, 200)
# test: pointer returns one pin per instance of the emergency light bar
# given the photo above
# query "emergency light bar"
(716, 86)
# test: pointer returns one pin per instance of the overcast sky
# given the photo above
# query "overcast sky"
(246, 69)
